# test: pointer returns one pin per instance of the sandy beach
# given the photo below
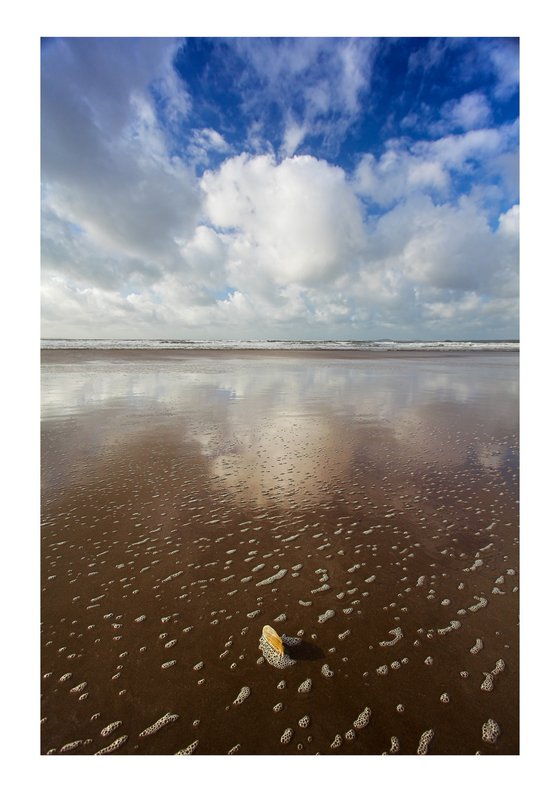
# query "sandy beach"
(364, 503)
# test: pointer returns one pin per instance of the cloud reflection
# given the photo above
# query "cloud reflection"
(283, 429)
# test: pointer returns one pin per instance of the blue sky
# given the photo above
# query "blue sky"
(280, 188)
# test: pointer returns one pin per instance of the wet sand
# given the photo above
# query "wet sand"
(383, 487)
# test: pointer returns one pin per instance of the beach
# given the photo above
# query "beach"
(363, 503)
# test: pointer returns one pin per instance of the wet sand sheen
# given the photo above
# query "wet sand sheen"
(367, 505)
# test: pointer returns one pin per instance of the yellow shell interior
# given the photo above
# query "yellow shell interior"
(271, 636)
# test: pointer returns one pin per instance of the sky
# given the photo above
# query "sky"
(292, 188)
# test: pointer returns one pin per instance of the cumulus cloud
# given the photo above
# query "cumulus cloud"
(407, 167)
(297, 221)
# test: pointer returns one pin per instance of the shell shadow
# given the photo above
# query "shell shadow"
(306, 651)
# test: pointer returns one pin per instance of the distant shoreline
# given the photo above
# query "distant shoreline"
(81, 355)
(382, 346)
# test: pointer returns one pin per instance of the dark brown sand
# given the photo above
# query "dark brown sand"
(174, 483)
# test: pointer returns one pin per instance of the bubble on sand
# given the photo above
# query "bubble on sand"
(278, 576)
(425, 740)
(305, 686)
(110, 728)
(478, 646)
(304, 721)
(281, 685)
(114, 745)
(453, 625)
(490, 731)
(71, 746)
(363, 719)
(64, 677)
(382, 670)
(499, 667)
(337, 742)
(394, 745)
(190, 749)
(278, 707)
(168, 664)
(350, 735)
(287, 736)
(159, 724)
(397, 632)
(326, 671)
(244, 693)
(482, 603)
(429, 660)
(235, 749)
(444, 698)
(328, 614)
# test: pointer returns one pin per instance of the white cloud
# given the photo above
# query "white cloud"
(134, 244)
(398, 173)
(106, 168)
(471, 111)
(454, 151)
(323, 77)
(294, 134)
(445, 246)
(504, 57)
(294, 222)
(405, 168)
(203, 142)
(286, 250)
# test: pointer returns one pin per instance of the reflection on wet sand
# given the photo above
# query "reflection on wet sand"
(279, 426)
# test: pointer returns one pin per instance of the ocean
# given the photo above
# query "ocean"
(229, 344)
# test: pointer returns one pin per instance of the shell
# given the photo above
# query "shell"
(271, 637)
